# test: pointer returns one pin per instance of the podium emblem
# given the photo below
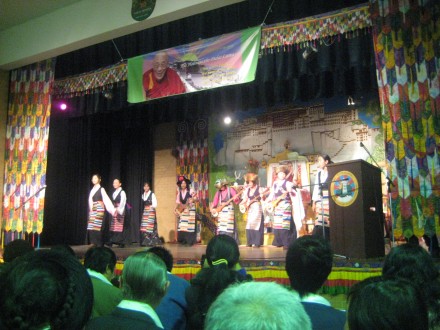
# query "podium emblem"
(344, 188)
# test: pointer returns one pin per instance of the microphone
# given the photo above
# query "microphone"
(362, 145)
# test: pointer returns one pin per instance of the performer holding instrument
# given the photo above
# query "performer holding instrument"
(251, 203)
(223, 209)
(286, 204)
(186, 212)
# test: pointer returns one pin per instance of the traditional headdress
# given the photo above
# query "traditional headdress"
(282, 168)
(251, 177)
(182, 178)
(220, 183)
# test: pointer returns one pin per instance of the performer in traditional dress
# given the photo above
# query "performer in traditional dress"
(282, 197)
(252, 203)
(149, 233)
(118, 233)
(320, 202)
(98, 203)
(186, 212)
(222, 206)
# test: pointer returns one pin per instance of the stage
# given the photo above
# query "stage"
(266, 263)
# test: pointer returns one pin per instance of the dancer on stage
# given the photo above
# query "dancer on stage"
(186, 212)
(251, 203)
(286, 204)
(118, 232)
(149, 221)
(98, 203)
(223, 208)
(320, 202)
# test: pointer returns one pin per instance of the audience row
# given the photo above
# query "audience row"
(51, 289)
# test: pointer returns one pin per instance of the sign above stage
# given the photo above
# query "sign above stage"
(225, 60)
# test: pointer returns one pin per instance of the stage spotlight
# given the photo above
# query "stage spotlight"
(227, 120)
(63, 106)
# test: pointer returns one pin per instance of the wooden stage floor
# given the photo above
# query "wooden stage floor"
(196, 251)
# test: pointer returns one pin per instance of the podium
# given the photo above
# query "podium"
(355, 208)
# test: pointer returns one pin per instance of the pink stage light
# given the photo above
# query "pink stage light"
(63, 106)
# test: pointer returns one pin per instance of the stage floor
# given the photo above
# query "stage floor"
(196, 251)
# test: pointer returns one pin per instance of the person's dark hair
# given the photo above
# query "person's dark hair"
(65, 248)
(222, 254)
(413, 263)
(97, 175)
(326, 158)
(393, 304)
(163, 254)
(16, 249)
(45, 288)
(98, 258)
(223, 247)
(308, 263)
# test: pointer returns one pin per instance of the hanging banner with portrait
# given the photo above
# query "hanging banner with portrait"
(226, 60)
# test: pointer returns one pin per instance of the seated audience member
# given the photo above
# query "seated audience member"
(144, 284)
(65, 248)
(45, 290)
(257, 306)
(308, 264)
(413, 263)
(172, 309)
(393, 304)
(100, 263)
(16, 249)
(222, 255)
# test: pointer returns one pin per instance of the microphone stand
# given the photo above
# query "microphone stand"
(321, 186)
(389, 184)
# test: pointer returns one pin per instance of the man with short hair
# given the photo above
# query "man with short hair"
(308, 263)
(144, 284)
(257, 306)
(100, 263)
(173, 307)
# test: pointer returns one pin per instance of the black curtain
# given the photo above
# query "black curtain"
(118, 145)
(105, 134)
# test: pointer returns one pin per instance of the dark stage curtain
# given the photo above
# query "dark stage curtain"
(116, 146)
(109, 136)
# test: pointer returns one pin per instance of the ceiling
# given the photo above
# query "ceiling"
(16, 12)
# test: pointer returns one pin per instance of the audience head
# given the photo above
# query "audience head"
(222, 250)
(101, 260)
(250, 306)
(45, 289)
(163, 254)
(308, 264)
(144, 278)
(16, 249)
(393, 304)
(64, 248)
(411, 262)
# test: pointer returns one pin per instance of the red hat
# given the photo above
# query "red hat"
(182, 178)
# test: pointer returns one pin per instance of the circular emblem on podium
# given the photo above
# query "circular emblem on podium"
(344, 188)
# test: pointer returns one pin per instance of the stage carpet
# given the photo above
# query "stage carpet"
(266, 263)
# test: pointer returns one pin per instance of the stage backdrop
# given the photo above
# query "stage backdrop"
(406, 38)
(294, 134)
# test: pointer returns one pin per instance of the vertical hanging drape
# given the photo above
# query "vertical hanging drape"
(406, 36)
(193, 162)
(27, 134)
